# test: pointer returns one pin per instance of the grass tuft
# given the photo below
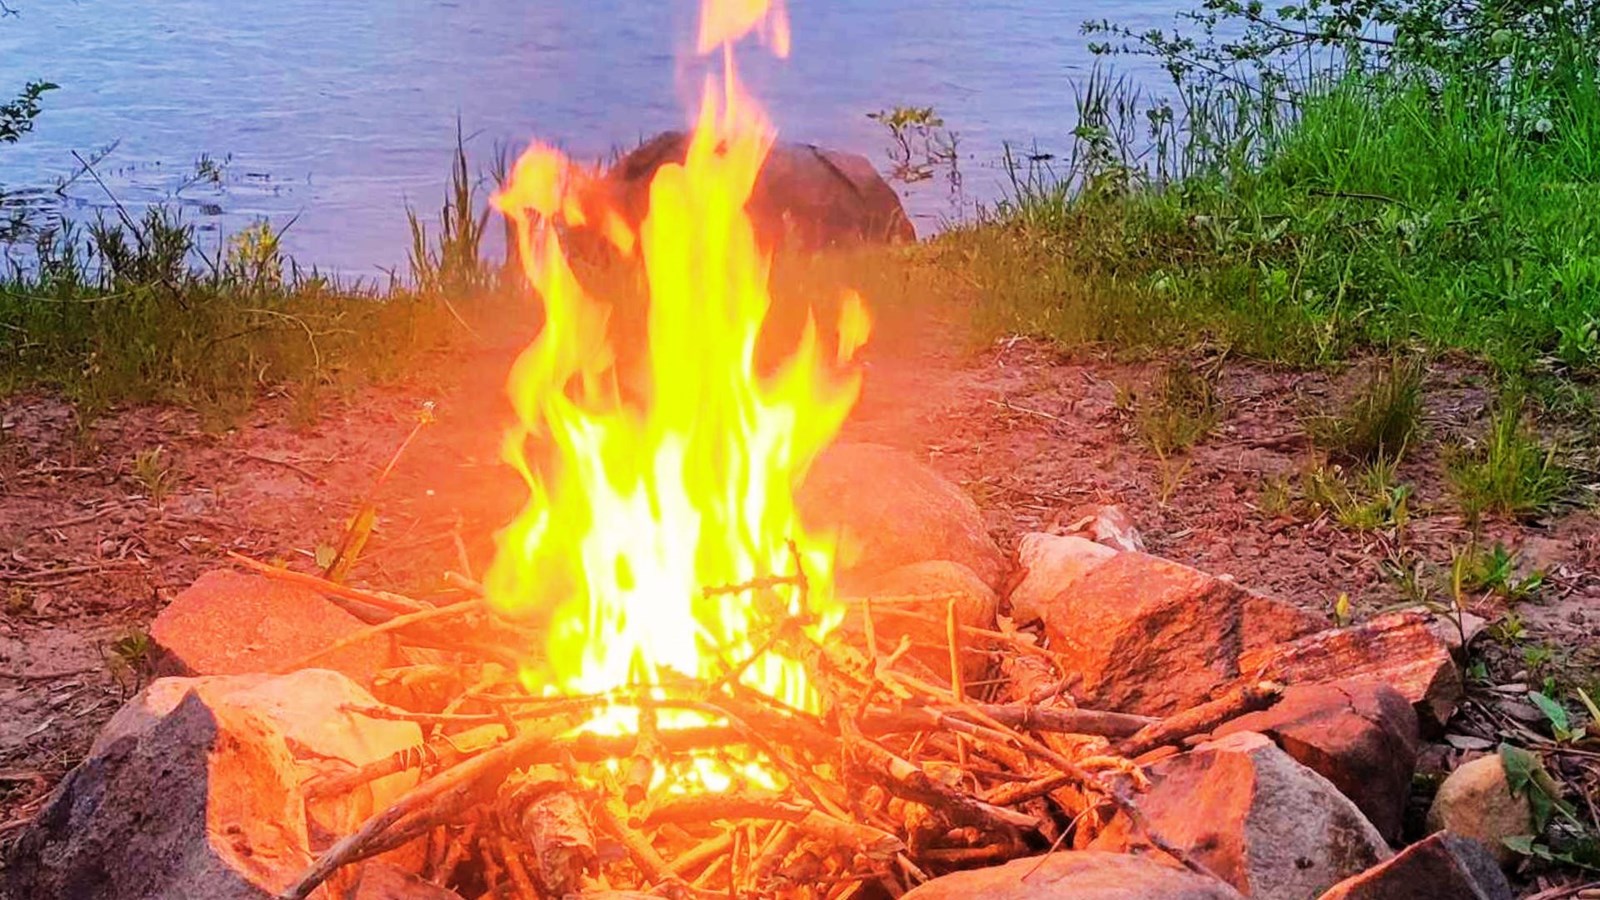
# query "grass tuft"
(1379, 422)
(1510, 474)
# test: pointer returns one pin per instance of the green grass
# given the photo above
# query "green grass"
(131, 309)
(1387, 210)
(1509, 473)
(1379, 422)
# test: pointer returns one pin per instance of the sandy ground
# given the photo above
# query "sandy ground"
(88, 557)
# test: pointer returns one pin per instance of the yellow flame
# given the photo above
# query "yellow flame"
(638, 504)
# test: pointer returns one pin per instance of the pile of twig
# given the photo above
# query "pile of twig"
(896, 780)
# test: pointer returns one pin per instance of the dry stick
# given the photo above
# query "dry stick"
(1246, 698)
(1021, 716)
(442, 790)
(833, 829)
(702, 854)
(519, 873)
(1119, 798)
(956, 687)
(382, 628)
(639, 849)
(385, 600)
(1010, 640)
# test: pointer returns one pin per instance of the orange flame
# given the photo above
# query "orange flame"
(637, 505)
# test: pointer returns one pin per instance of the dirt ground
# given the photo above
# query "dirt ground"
(88, 556)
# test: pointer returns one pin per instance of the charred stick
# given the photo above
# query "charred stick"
(491, 869)
(909, 781)
(1023, 791)
(1246, 698)
(966, 856)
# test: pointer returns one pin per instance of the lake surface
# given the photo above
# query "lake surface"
(336, 115)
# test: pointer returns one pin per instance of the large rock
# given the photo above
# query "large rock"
(232, 623)
(1048, 567)
(1440, 867)
(888, 510)
(1077, 875)
(1362, 736)
(311, 710)
(940, 581)
(1397, 649)
(200, 802)
(202, 778)
(1476, 802)
(805, 197)
(1153, 637)
(1267, 825)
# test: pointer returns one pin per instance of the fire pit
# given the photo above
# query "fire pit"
(663, 686)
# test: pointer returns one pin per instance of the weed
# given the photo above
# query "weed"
(922, 145)
(1510, 474)
(153, 469)
(1368, 498)
(1276, 496)
(1379, 422)
(1509, 629)
(1178, 412)
(1495, 571)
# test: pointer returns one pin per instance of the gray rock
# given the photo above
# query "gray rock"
(1153, 637)
(194, 789)
(1476, 802)
(1439, 867)
(1267, 825)
(1077, 875)
(805, 197)
(1362, 736)
(1049, 565)
(889, 510)
(201, 802)
(232, 623)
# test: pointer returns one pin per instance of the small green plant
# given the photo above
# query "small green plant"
(1379, 422)
(1511, 474)
(153, 469)
(921, 145)
(1561, 724)
(1276, 496)
(131, 658)
(1509, 629)
(452, 266)
(1370, 498)
(1179, 411)
(1495, 571)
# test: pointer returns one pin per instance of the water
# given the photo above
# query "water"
(336, 115)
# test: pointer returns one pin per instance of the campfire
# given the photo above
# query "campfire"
(664, 684)
(685, 695)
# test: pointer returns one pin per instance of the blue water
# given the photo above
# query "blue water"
(336, 115)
